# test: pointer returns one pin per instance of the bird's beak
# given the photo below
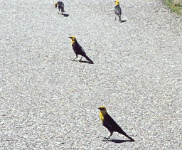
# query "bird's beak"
(70, 37)
(99, 108)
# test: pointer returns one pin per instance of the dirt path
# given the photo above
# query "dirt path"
(49, 102)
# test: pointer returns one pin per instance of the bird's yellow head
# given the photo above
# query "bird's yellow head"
(73, 39)
(117, 2)
(103, 110)
(56, 4)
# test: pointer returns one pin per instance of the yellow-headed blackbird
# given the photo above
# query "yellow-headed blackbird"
(110, 124)
(60, 6)
(117, 10)
(79, 50)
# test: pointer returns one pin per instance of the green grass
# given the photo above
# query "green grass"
(175, 8)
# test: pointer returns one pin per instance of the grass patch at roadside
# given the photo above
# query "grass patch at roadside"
(177, 8)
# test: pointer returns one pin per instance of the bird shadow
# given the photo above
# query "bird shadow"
(123, 21)
(116, 140)
(65, 15)
(82, 61)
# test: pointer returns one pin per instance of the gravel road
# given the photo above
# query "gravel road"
(49, 102)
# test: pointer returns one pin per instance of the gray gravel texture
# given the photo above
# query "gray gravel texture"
(49, 102)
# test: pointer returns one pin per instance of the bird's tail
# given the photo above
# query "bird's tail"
(89, 59)
(131, 139)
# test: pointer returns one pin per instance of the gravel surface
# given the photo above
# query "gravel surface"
(49, 102)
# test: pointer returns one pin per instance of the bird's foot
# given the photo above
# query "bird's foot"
(120, 20)
(75, 58)
(80, 59)
(106, 138)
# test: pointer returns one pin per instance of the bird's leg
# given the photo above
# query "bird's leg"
(75, 58)
(115, 18)
(110, 135)
(120, 18)
(80, 59)
(62, 12)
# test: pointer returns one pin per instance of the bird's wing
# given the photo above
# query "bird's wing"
(60, 4)
(81, 50)
(78, 49)
(111, 122)
(118, 10)
(111, 125)
(107, 124)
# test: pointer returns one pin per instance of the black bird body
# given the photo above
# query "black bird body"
(79, 50)
(60, 6)
(110, 124)
(118, 10)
